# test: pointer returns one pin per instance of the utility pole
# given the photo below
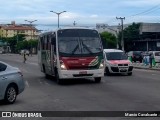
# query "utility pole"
(122, 40)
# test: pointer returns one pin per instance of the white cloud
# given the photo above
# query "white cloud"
(140, 3)
(81, 11)
(94, 16)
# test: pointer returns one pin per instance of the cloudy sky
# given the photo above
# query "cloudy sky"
(81, 11)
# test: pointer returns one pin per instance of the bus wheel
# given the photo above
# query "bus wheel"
(59, 81)
(97, 79)
(46, 75)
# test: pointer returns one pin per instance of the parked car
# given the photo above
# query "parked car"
(156, 55)
(11, 82)
(116, 61)
(136, 56)
(24, 51)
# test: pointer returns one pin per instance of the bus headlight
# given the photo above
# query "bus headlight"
(62, 65)
(101, 66)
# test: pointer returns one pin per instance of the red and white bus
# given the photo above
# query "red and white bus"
(71, 53)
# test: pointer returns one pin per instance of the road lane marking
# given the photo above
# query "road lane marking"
(26, 83)
(47, 83)
(33, 63)
(40, 82)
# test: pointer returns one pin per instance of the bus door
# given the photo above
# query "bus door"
(53, 53)
(47, 54)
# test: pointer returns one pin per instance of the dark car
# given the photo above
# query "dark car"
(136, 56)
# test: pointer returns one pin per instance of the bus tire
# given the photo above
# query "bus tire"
(46, 75)
(58, 80)
(97, 79)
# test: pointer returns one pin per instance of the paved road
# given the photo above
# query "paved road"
(115, 93)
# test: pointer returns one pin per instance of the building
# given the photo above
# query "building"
(149, 32)
(150, 39)
(114, 29)
(10, 30)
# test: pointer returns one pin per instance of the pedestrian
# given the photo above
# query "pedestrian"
(150, 58)
(144, 60)
(24, 57)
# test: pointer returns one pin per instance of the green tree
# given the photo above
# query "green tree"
(109, 40)
(33, 43)
(131, 33)
(22, 45)
(13, 41)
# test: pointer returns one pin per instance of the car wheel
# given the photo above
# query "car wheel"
(10, 94)
(97, 79)
(130, 73)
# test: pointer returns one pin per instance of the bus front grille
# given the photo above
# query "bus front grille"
(82, 75)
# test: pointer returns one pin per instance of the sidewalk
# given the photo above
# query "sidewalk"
(143, 66)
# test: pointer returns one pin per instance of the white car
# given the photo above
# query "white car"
(156, 55)
(116, 61)
(11, 82)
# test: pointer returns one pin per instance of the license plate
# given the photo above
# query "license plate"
(123, 70)
(83, 72)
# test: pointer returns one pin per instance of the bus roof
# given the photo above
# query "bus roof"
(50, 32)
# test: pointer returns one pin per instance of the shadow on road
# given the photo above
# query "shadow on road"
(2, 103)
(71, 81)
(117, 75)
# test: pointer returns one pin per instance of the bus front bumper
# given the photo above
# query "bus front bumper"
(65, 74)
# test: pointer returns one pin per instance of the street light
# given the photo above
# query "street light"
(31, 31)
(30, 24)
(58, 13)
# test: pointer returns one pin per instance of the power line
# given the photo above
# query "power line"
(146, 11)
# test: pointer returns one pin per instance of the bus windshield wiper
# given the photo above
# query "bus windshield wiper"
(74, 50)
(86, 48)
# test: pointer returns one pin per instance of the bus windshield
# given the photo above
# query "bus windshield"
(69, 45)
(116, 56)
(79, 41)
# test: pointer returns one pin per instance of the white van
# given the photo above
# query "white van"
(156, 55)
(116, 61)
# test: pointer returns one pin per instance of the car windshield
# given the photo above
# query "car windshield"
(116, 56)
(137, 52)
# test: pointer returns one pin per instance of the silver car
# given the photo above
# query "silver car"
(11, 82)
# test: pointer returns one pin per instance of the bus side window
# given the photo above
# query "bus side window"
(53, 41)
(48, 43)
(39, 43)
(45, 42)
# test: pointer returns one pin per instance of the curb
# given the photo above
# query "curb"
(156, 69)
